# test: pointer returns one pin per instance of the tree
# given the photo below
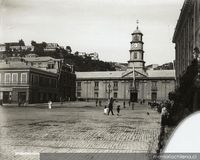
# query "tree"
(68, 49)
(21, 42)
(44, 45)
(33, 43)
(39, 47)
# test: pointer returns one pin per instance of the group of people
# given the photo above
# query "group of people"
(164, 108)
(109, 109)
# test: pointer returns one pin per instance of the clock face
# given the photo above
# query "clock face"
(135, 44)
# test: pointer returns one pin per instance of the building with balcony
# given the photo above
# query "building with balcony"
(22, 83)
(2, 48)
(94, 56)
(45, 63)
(66, 76)
(187, 63)
(51, 47)
(39, 78)
(186, 36)
(147, 84)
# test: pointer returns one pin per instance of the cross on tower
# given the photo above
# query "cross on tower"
(137, 21)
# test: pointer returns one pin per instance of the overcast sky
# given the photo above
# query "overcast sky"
(102, 26)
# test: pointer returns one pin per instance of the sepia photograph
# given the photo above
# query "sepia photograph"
(99, 79)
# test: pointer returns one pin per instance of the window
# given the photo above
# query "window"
(134, 84)
(135, 55)
(15, 78)
(96, 94)
(154, 85)
(96, 85)
(115, 95)
(115, 87)
(78, 94)
(78, 84)
(153, 96)
(50, 66)
(7, 78)
(35, 79)
(136, 38)
(137, 84)
(115, 84)
(52, 83)
(24, 78)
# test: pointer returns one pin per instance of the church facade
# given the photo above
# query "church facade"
(147, 84)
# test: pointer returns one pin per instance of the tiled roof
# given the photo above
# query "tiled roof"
(21, 65)
(99, 74)
(119, 74)
(4, 65)
(35, 59)
(51, 45)
(161, 73)
(13, 44)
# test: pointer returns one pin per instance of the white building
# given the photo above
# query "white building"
(149, 85)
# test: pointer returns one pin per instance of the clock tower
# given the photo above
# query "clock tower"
(136, 51)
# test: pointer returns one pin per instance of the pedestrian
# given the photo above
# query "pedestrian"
(124, 104)
(110, 106)
(100, 103)
(129, 103)
(50, 104)
(118, 109)
(10, 99)
(96, 102)
(105, 110)
(19, 102)
(164, 116)
(61, 100)
(133, 105)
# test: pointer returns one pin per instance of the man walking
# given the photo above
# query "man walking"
(110, 106)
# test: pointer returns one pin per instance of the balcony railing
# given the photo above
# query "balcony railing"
(78, 87)
(115, 88)
(154, 88)
(96, 87)
(13, 84)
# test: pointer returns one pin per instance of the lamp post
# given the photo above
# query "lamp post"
(133, 90)
(108, 89)
(124, 103)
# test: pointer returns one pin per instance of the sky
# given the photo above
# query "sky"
(102, 26)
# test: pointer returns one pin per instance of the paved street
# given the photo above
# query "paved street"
(76, 127)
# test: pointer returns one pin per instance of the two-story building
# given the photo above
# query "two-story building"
(20, 82)
(45, 63)
(46, 78)
(147, 84)
(66, 75)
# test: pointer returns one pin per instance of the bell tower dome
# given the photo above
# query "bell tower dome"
(136, 50)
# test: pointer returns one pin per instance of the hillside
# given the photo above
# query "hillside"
(79, 63)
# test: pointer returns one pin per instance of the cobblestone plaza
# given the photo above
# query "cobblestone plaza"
(78, 127)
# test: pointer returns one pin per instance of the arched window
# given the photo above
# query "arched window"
(135, 55)
(136, 38)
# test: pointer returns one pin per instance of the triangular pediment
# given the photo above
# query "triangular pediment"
(129, 74)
